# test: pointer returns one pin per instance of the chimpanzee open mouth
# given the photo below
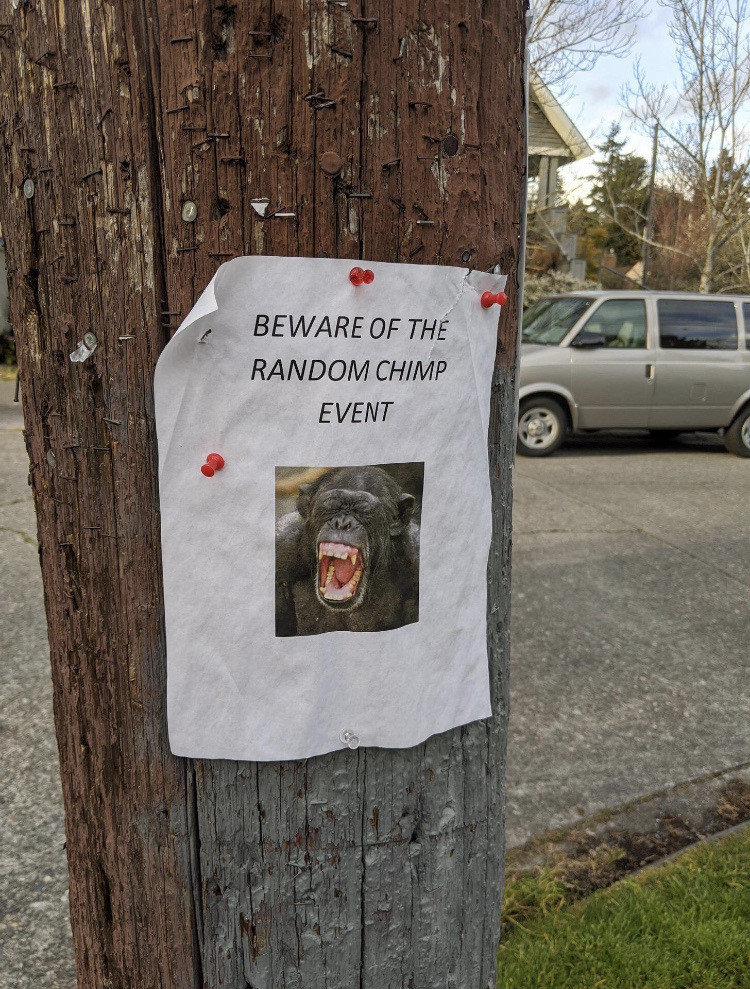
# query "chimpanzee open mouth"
(341, 572)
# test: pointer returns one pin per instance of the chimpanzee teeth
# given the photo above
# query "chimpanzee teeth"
(340, 551)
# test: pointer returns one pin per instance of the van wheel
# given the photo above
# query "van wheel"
(542, 424)
(737, 437)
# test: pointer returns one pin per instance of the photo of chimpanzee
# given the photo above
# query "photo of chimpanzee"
(347, 551)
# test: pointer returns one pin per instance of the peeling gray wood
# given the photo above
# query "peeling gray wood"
(373, 869)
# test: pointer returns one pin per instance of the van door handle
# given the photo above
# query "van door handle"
(650, 372)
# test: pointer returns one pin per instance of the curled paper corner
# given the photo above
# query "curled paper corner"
(260, 206)
(205, 305)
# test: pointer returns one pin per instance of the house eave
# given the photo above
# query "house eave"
(573, 146)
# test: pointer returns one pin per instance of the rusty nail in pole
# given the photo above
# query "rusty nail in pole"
(331, 163)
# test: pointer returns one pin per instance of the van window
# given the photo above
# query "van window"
(622, 323)
(746, 315)
(549, 320)
(697, 324)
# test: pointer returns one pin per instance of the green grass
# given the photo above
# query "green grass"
(684, 925)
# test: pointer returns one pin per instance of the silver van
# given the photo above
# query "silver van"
(668, 362)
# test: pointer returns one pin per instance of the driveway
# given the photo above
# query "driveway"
(629, 662)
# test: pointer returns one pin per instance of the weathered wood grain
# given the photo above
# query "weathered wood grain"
(377, 869)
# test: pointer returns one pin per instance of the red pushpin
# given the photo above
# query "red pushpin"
(488, 299)
(360, 276)
(214, 462)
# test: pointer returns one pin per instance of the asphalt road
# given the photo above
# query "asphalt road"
(629, 665)
(629, 660)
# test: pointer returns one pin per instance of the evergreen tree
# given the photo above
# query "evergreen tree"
(621, 186)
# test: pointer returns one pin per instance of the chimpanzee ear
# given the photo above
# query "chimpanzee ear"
(405, 508)
(303, 500)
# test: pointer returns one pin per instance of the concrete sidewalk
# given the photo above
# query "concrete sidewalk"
(34, 925)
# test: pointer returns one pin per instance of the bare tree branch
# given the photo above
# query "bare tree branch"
(569, 36)
(633, 231)
(704, 143)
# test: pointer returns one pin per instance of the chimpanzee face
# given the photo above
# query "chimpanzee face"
(353, 519)
(344, 552)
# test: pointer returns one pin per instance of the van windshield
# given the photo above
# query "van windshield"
(549, 320)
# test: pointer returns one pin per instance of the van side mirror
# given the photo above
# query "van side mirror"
(588, 339)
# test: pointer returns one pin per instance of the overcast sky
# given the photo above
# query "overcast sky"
(596, 101)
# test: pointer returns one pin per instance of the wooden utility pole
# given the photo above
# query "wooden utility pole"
(143, 143)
